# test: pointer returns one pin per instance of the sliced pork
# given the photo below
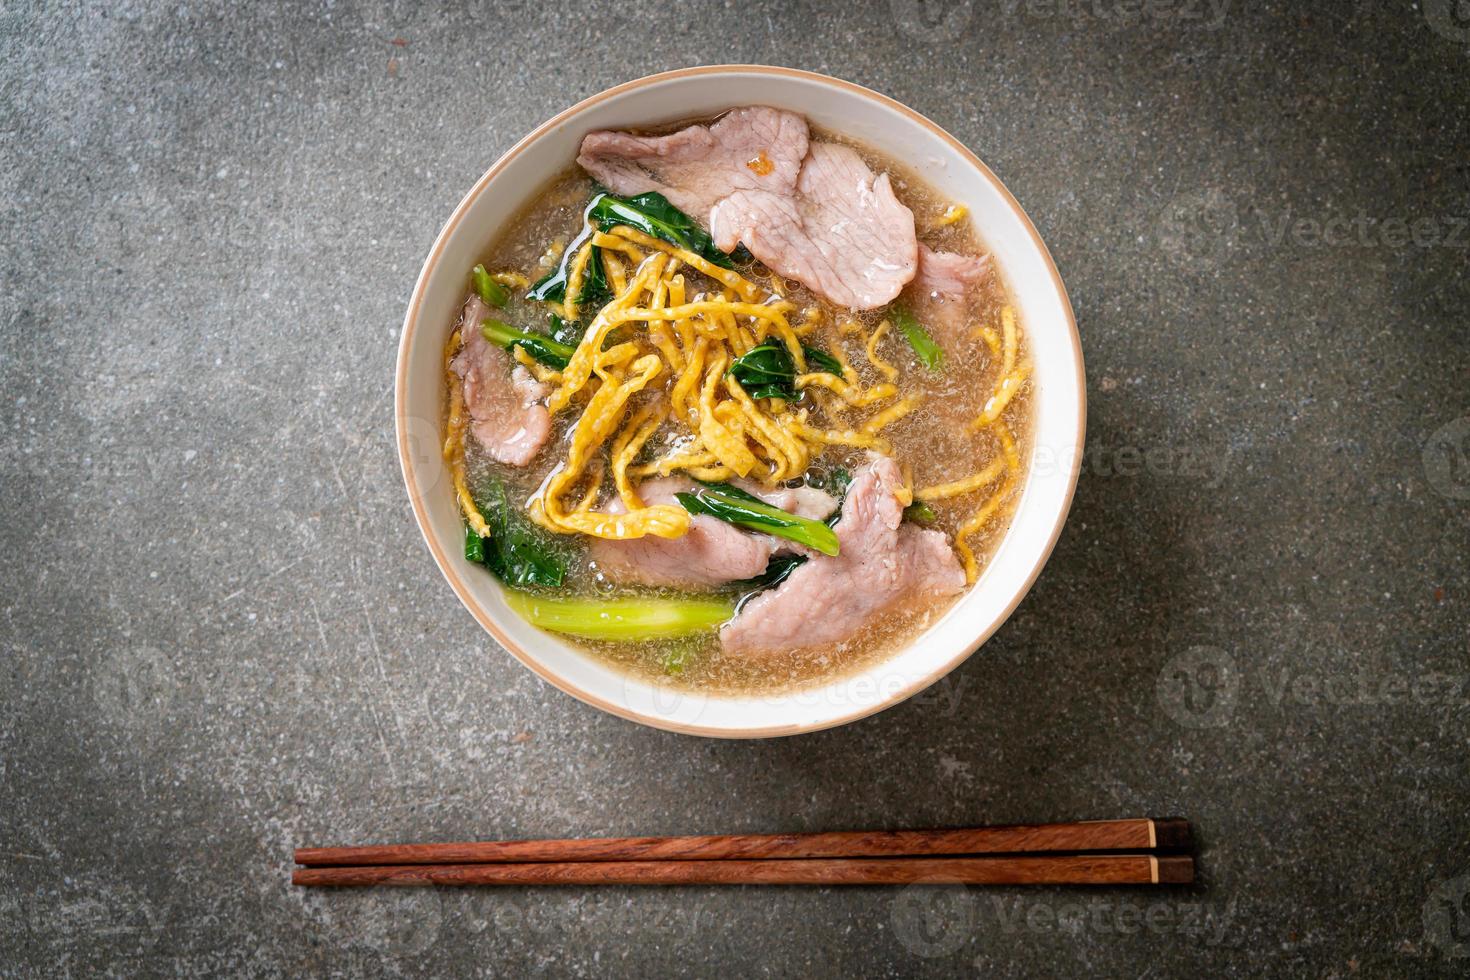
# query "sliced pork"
(843, 234)
(753, 148)
(812, 212)
(938, 295)
(506, 404)
(712, 552)
(884, 566)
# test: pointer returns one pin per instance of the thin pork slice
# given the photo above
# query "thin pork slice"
(884, 568)
(711, 552)
(939, 294)
(507, 411)
(752, 148)
(843, 234)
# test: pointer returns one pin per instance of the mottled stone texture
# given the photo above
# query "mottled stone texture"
(222, 635)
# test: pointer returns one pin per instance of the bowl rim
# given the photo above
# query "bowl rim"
(451, 572)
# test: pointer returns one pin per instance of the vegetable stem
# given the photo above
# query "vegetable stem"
(920, 513)
(490, 291)
(930, 354)
(543, 348)
(734, 506)
(639, 618)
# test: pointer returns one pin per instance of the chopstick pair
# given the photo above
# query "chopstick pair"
(1083, 853)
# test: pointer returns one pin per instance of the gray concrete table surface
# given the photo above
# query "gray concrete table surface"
(223, 637)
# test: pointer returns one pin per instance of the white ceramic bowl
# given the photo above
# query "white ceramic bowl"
(893, 130)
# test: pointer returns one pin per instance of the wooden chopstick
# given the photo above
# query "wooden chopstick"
(1099, 869)
(1139, 834)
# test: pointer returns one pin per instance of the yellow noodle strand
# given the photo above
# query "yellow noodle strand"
(1005, 390)
(842, 437)
(848, 374)
(540, 371)
(1008, 448)
(851, 394)
(953, 213)
(991, 338)
(887, 370)
(602, 416)
(629, 443)
(689, 383)
(594, 484)
(1012, 339)
(956, 488)
(727, 446)
(574, 281)
(773, 313)
(617, 273)
(891, 414)
(977, 521)
(661, 332)
(1011, 461)
(453, 449)
(790, 455)
(743, 287)
(683, 459)
(617, 243)
(682, 325)
(579, 368)
(512, 279)
(711, 474)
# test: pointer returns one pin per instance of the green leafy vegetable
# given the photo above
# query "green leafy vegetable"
(539, 346)
(929, 353)
(474, 546)
(835, 481)
(633, 618)
(920, 513)
(652, 214)
(595, 288)
(776, 571)
(565, 331)
(767, 370)
(735, 506)
(517, 551)
(490, 291)
(820, 360)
